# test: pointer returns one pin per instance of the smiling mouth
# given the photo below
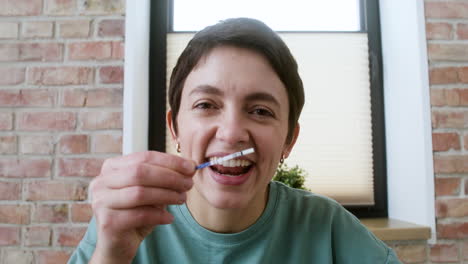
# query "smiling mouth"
(232, 168)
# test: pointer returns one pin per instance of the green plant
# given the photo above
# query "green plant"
(293, 177)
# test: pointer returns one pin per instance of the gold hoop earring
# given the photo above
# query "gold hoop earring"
(178, 147)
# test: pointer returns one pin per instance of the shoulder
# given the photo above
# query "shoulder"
(306, 201)
(323, 217)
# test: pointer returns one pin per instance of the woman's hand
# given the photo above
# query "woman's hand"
(129, 198)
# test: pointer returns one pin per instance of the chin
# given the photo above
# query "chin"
(227, 201)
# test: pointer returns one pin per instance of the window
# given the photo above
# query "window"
(293, 15)
(409, 146)
(360, 127)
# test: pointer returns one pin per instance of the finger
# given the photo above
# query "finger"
(149, 176)
(133, 218)
(169, 161)
(135, 196)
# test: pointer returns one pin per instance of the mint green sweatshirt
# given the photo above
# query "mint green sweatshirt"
(296, 227)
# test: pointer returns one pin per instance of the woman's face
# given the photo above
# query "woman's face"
(233, 100)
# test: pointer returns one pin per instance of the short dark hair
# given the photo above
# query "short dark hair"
(244, 33)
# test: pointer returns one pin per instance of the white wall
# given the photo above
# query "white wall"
(135, 124)
(407, 113)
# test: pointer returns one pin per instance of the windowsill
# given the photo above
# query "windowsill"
(388, 229)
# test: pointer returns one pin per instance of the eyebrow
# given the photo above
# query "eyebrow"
(258, 96)
(206, 89)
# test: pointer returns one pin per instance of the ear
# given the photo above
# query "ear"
(171, 125)
(288, 147)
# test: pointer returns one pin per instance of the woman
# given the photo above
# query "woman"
(234, 87)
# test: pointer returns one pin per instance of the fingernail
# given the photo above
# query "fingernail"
(182, 198)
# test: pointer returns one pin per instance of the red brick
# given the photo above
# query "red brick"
(443, 75)
(80, 167)
(8, 30)
(452, 230)
(107, 143)
(465, 139)
(104, 97)
(411, 253)
(462, 31)
(74, 97)
(448, 52)
(9, 236)
(37, 236)
(38, 29)
(36, 144)
(56, 191)
(93, 97)
(74, 144)
(52, 257)
(81, 212)
(24, 168)
(446, 9)
(102, 7)
(14, 214)
(111, 74)
(69, 236)
(447, 186)
(74, 29)
(444, 253)
(65, 75)
(451, 97)
(438, 31)
(465, 250)
(118, 50)
(60, 7)
(9, 52)
(9, 98)
(8, 145)
(111, 28)
(451, 207)
(90, 51)
(449, 119)
(18, 256)
(40, 51)
(29, 97)
(463, 75)
(36, 97)
(20, 7)
(445, 141)
(51, 213)
(6, 121)
(10, 190)
(51, 121)
(12, 76)
(466, 186)
(451, 164)
(101, 120)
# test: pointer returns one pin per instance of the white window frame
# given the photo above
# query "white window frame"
(410, 174)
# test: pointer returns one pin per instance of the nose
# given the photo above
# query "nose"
(232, 129)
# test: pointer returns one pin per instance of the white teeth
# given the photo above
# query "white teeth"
(233, 162)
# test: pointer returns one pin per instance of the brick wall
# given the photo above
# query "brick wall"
(447, 33)
(61, 73)
(447, 40)
(61, 68)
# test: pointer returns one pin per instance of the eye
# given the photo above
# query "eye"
(263, 112)
(204, 105)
